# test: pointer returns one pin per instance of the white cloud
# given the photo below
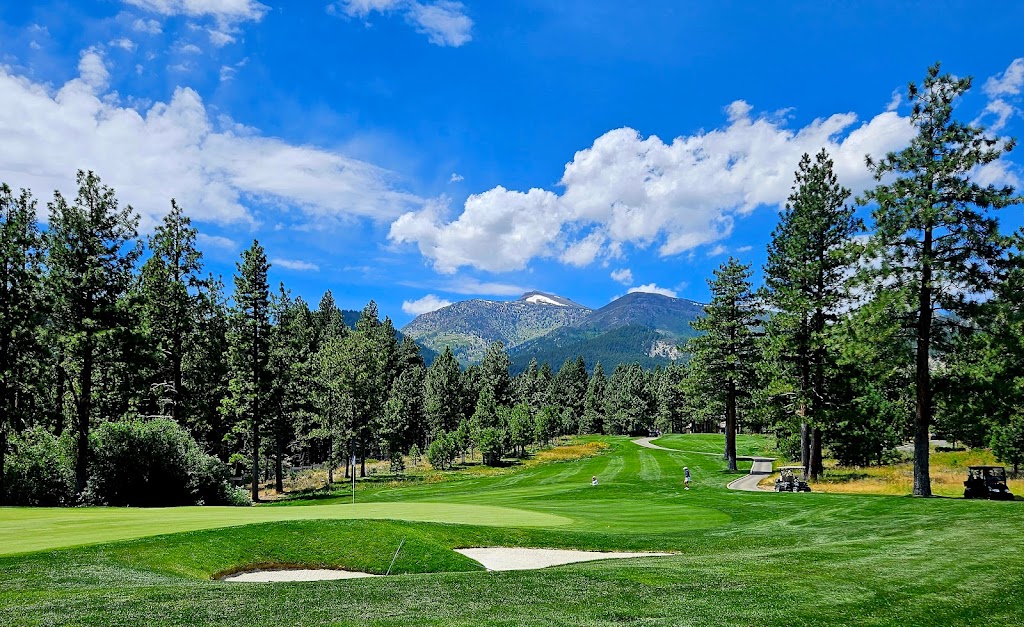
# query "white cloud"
(652, 288)
(34, 45)
(1009, 84)
(480, 288)
(216, 241)
(719, 249)
(645, 192)
(227, 11)
(226, 73)
(220, 38)
(124, 43)
(150, 27)
(456, 177)
(744, 249)
(444, 22)
(189, 49)
(1001, 110)
(424, 305)
(216, 169)
(93, 70)
(624, 276)
(583, 252)
(295, 264)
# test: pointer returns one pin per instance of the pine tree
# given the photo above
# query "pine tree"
(442, 394)
(495, 376)
(205, 369)
(935, 238)
(724, 356)
(809, 259)
(170, 284)
(594, 403)
(249, 348)
(92, 251)
(21, 313)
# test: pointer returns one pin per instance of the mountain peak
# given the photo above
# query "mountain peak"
(540, 298)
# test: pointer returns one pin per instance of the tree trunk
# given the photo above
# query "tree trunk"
(3, 459)
(805, 444)
(58, 427)
(256, 428)
(922, 477)
(817, 467)
(84, 410)
(279, 466)
(730, 426)
(362, 461)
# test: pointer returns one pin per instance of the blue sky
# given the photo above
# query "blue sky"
(418, 152)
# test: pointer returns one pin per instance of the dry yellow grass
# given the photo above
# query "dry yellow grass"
(570, 451)
(948, 471)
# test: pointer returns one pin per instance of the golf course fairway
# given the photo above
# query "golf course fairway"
(735, 557)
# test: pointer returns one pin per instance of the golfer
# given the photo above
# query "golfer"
(593, 481)
(686, 477)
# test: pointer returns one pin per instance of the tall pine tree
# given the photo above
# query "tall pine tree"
(249, 347)
(809, 261)
(92, 251)
(935, 238)
(725, 355)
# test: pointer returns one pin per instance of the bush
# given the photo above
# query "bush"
(37, 470)
(441, 452)
(154, 463)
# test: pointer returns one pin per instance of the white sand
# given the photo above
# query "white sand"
(502, 558)
(296, 574)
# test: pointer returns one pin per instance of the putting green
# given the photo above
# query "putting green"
(36, 529)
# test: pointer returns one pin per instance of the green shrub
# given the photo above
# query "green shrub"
(153, 463)
(37, 470)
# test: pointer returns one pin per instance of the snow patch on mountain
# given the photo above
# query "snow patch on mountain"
(540, 299)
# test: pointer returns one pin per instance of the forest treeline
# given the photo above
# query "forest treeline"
(130, 376)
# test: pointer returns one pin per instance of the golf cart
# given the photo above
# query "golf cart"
(987, 482)
(792, 479)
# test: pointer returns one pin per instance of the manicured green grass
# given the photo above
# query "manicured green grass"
(740, 558)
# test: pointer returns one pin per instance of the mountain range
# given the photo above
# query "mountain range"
(638, 327)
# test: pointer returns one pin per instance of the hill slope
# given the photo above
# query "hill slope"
(470, 326)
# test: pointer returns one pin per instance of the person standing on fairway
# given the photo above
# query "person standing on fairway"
(686, 477)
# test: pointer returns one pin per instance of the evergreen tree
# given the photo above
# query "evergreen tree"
(205, 369)
(170, 282)
(594, 403)
(569, 390)
(672, 416)
(724, 357)
(494, 375)
(92, 250)
(21, 313)
(809, 258)
(248, 354)
(442, 394)
(934, 237)
(630, 406)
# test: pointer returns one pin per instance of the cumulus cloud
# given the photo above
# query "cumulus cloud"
(150, 27)
(227, 11)
(428, 303)
(628, 189)
(216, 241)
(444, 22)
(623, 275)
(1009, 83)
(456, 177)
(215, 168)
(124, 44)
(295, 264)
(1002, 89)
(652, 288)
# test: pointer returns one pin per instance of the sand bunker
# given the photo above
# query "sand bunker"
(502, 558)
(296, 574)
